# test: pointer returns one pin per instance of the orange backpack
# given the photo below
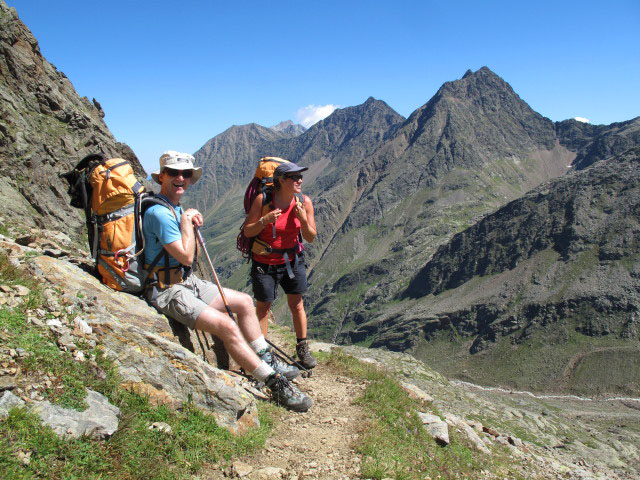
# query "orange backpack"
(114, 202)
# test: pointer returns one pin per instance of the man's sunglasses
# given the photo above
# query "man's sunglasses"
(174, 173)
(295, 178)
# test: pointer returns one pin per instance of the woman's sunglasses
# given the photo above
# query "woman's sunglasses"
(295, 178)
(174, 173)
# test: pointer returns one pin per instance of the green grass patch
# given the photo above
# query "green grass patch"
(394, 443)
(134, 452)
(43, 357)
(12, 275)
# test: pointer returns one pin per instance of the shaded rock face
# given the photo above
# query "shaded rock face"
(45, 129)
(597, 142)
(597, 209)
(557, 266)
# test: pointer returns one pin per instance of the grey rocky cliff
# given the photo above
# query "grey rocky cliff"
(45, 129)
(596, 142)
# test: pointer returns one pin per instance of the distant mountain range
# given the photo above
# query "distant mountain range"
(389, 192)
(476, 234)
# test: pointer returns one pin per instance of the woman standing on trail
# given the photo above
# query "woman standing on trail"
(277, 251)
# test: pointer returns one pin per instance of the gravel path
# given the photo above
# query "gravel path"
(317, 444)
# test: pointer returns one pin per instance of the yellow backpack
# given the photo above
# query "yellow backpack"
(114, 201)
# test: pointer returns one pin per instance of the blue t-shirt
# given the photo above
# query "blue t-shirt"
(160, 227)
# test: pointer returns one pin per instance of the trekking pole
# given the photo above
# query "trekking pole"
(213, 273)
(305, 371)
(222, 356)
(226, 305)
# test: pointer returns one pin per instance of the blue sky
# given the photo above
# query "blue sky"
(171, 75)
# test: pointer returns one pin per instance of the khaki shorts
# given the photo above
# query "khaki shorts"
(184, 301)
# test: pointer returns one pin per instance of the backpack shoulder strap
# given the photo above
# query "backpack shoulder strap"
(267, 195)
(153, 199)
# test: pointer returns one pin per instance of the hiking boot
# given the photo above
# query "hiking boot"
(306, 360)
(289, 371)
(286, 394)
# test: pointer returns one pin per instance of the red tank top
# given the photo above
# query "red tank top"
(287, 229)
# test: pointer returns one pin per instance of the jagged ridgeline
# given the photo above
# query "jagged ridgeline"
(389, 191)
(45, 129)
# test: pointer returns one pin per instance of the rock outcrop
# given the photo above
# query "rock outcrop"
(45, 129)
(150, 359)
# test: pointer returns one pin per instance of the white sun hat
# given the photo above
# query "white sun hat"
(177, 161)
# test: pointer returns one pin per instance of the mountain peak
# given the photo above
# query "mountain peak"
(288, 127)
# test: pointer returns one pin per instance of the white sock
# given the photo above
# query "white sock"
(263, 372)
(259, 344)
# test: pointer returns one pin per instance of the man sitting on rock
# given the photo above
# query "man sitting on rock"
(178, 293)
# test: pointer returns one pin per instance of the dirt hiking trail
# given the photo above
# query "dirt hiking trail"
(312, 445)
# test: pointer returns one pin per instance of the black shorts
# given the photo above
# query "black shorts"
(266, 278)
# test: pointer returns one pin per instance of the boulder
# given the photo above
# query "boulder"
(99, 421)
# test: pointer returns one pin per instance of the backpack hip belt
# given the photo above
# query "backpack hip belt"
(172, 275)
(261, 247)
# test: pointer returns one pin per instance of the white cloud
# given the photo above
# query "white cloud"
(311, 114)
(581, 119)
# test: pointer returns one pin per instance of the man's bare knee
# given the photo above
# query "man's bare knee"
(244, 303)
(213, 321)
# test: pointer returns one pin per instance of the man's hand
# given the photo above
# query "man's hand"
(194, 217)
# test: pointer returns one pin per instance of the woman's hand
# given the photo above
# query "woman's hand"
(272, 216)
(300, 212)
